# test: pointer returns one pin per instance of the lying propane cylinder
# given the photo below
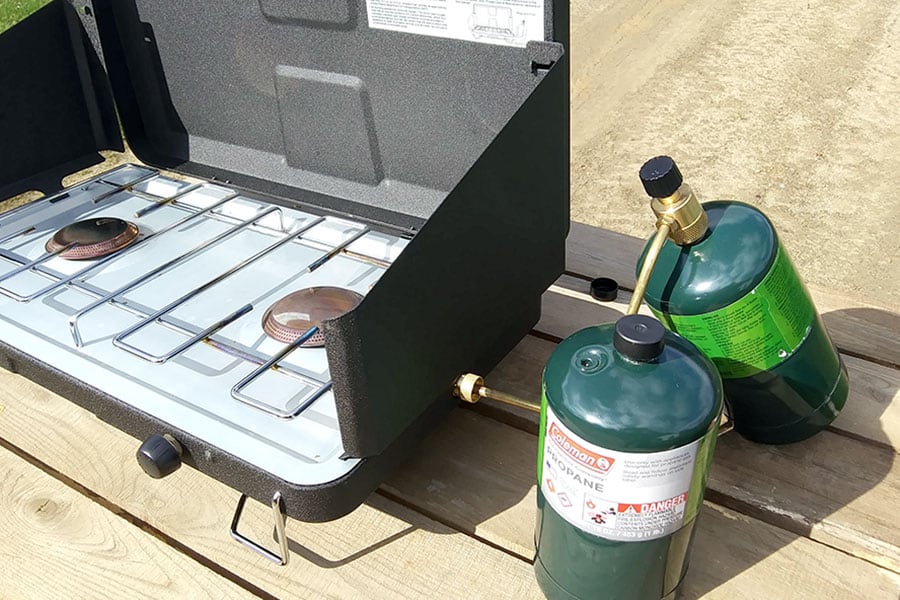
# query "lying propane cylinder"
(629, 417)
(723, 280)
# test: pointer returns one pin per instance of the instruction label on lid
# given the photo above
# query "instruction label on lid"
(501, 22)
(622, 496)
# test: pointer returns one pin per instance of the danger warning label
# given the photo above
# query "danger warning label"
(653, 507)
(624, 496)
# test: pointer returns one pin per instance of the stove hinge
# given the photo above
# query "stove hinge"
(543, 56)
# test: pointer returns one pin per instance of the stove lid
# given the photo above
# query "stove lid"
(380, 106)
(371, 108)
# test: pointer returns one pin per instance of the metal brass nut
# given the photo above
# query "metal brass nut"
(468, 387)
(688, 219)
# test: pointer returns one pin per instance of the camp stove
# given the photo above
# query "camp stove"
(280, 295)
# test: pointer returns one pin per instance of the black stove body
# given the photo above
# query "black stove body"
(460, 146)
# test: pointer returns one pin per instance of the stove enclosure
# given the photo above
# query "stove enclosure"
(464, 146)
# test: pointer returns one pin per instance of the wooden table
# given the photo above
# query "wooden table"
(818, 519)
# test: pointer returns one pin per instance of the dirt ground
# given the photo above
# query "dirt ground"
(790, 105)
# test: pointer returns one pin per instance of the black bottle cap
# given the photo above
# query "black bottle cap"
(604, 289)
(661, 177)
(639, 337)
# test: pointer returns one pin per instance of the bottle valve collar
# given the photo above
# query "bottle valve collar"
(673, 201)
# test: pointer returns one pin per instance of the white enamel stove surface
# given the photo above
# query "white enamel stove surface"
(192, 390)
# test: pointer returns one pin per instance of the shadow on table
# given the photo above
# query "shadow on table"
(795, 489)
(876, 332)
(321, 561)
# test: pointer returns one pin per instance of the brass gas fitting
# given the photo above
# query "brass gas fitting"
(673, 201)
(470, 388)
(687, 219)
(679, 216)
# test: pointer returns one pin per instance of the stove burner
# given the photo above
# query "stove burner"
(92, 238)
(293, 315)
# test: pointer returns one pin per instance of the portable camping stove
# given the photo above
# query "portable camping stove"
(372, 213)
(144, 287)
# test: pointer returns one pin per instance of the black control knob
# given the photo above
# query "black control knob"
(159, 455)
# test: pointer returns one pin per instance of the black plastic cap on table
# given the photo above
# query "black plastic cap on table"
(604, 289)
(158, 456)
(639, 337)
(661, 177)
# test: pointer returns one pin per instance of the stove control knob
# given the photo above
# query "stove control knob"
(159, 455)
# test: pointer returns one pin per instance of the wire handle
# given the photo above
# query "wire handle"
(280, 537)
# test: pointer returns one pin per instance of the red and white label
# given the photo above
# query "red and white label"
(624, 496)
(586, 458)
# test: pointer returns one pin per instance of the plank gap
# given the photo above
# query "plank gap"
(547, 337)
(861, 438)
(872, 359)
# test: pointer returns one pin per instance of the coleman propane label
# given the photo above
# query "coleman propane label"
(500, 22)
(757, 332)
(622, 496)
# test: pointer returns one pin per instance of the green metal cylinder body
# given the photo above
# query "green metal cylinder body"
(624, 453)
(736, 295)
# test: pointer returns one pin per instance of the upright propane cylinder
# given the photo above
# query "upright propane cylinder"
(730, 288)
(629, 417)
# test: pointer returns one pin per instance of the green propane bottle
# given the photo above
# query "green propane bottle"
(723, 280)
(629, 418)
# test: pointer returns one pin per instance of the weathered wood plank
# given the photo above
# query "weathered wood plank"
(749, 559)
(381, 550)
(856, 327)
(59, 544)
(594, 252)
(831, 488)
(873, 407)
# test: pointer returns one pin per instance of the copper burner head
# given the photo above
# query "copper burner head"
(296, 313)
(92, 238)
